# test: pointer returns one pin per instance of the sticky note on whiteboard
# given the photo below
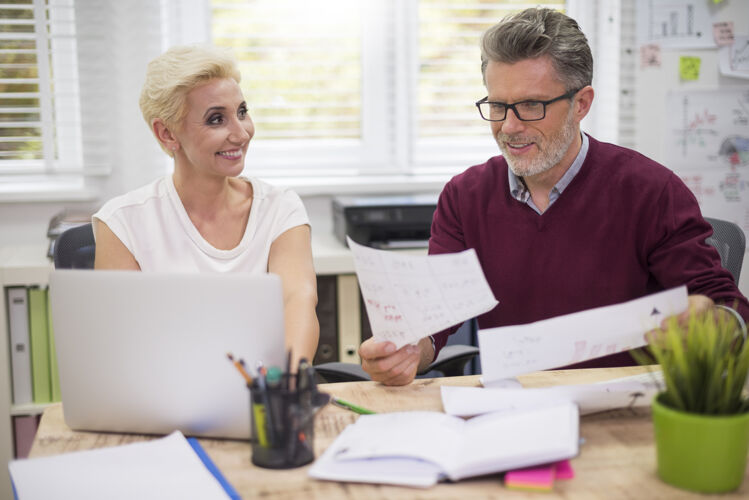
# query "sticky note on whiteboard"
(650, 55)
(689, 68)
(723, 33)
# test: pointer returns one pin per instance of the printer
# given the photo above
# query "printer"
(384, 221)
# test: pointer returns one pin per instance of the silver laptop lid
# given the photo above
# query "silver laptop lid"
(146, 352)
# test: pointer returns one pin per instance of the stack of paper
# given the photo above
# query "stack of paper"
(159, 469)
(590, 398)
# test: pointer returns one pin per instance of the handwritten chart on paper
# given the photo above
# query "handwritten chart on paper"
(674, 23)
(722, 193)
(708, 128)
(411, 296)
(707, 144)
(734, 58)
(508, 351)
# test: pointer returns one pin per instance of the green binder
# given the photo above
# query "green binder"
(40, 377)
(54, 376)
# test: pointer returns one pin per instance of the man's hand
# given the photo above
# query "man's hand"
(698, 305)
(394, 367)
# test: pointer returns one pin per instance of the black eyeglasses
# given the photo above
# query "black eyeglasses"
(527, 111)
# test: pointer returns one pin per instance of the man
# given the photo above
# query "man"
(561, 222)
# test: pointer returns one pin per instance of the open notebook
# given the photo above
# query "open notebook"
(146, 352)
(420, 448)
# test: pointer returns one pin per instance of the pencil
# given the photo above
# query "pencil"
(240, 368)
(350, 406)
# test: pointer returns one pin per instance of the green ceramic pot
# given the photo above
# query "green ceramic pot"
(698, 452)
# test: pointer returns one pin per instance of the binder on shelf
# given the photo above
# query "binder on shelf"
(53, 373)
(349, 318)
(327, 349)
(24, 430)
(20, 359)
(39, 337)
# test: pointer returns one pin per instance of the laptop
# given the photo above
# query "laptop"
(147, 352)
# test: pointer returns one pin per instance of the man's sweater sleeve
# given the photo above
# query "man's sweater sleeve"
(678, 254)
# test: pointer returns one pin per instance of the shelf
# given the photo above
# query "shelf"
(29, 409)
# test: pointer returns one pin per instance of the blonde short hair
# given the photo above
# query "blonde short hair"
(173, 74)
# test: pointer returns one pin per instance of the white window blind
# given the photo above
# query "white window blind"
(303, 70)
(446, 129)
(39, 125)
(385, 84)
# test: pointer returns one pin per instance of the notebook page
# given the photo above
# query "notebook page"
(430, 436)
(389, 470)
(496, 442)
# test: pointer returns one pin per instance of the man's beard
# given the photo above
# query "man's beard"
(549, 154)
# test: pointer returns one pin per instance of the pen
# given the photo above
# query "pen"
(273, 377)
(266, 402)
(240, 367)
(289, 379)
(302, 376)
(349, 406)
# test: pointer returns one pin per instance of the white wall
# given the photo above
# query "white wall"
(653, 85)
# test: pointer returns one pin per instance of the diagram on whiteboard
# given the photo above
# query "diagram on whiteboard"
(733, 60)
(722, 193)
(735, 150)
(707, 145)
(674, 23)
(707, 129)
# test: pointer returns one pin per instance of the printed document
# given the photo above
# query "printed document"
(509, 351)
(411, 296)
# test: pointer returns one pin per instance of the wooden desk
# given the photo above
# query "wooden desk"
(617, 459)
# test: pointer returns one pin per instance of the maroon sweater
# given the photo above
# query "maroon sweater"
(625, 227)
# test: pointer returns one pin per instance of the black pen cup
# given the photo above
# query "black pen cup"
(282, 423)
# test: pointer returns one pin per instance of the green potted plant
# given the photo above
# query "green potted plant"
(701, 417)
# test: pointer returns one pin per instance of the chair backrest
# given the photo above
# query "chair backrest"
(75, 248)
(729, 240)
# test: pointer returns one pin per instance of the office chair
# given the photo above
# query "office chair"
(729, 240)
(450, 362)
(75, 248)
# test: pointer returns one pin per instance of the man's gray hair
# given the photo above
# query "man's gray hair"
(537, 32)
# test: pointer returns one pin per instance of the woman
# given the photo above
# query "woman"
(204, 217)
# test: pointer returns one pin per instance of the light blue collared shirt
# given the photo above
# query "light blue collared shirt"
(521, 193)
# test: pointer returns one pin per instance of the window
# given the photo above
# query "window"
(39, 130)
(446, 128)
(362, 86)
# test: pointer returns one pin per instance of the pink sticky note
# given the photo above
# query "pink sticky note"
(564, 470)
(534, 478)
(723, 33)
(650, 56)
